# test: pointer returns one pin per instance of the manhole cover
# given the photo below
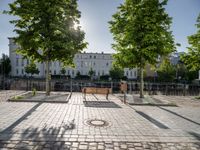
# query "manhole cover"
(97, 123)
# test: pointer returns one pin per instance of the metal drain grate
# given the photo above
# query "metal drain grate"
(97, 123)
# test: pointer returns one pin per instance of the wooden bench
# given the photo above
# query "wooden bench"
(95, 90)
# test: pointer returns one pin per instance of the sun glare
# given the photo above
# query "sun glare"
(76, 25)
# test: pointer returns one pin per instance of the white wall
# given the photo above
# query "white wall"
(99, 62)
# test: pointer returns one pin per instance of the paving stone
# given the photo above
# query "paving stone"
(84, 147)
(11, 145)
(75, 144)
(100, 147)
(123, 146)
(29, 122)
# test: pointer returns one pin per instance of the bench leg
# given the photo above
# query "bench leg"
(107, 96)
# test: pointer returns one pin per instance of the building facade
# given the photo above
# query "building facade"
(100, 63)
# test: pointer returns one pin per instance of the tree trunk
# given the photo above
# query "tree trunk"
(47, 79)
(141, 83)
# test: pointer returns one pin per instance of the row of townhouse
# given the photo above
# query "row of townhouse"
(100, 63)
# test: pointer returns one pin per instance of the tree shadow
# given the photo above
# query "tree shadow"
(174, 113)
(101, 104)
(152, 120)
(40, 138)
(196, 135)
(49, 135)
(18, 121)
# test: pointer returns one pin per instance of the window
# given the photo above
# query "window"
(72, 72)
(90, 56)
(131, 74)
(54, 72)
(95, 57)
(77, 64)
(68, 72)
(16, 71)
(94, 64)
(126, 73)
(17, 61)
(81, 63)
(22, 71)
(135, 73)
(22, 62)
(86, 64)
(107, 64)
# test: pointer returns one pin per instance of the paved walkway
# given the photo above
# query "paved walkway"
(57, 126)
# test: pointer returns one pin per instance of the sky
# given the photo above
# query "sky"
(95, 15)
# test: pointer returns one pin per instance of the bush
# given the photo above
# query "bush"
(104, 77)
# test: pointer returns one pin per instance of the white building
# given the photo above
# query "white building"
(100, 63)
(175, 57)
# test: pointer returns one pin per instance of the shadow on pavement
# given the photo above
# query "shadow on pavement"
(101, 104)
(152, 120)
(179, 115)
(46, 134)
(196, 135)
(17, 122)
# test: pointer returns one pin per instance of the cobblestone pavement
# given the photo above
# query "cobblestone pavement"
(182, 101)
(65, 126)
(6, 94)
(57, 145)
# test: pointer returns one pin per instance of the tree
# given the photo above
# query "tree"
(78, 74)
(32, 69)
(166, 71)
(63, 71)
(46, 31)
(141, 33)
(192, 58)
(91, 73)
(116, 73)
(5, 66)
(185, 73)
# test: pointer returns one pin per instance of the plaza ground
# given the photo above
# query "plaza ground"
(29, 125)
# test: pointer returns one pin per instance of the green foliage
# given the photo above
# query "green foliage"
(104, 77)
(166, 71)
(181, 71)
(116, 73)
(91, 73)
(18, 97)
(141, 32)
(197, 98)
(63, 71)
(83, 77)
(5, 66)
(34, 91)
(32, 69)
(78, 74)
(45, 29)
(191, 75)
(192, 58)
